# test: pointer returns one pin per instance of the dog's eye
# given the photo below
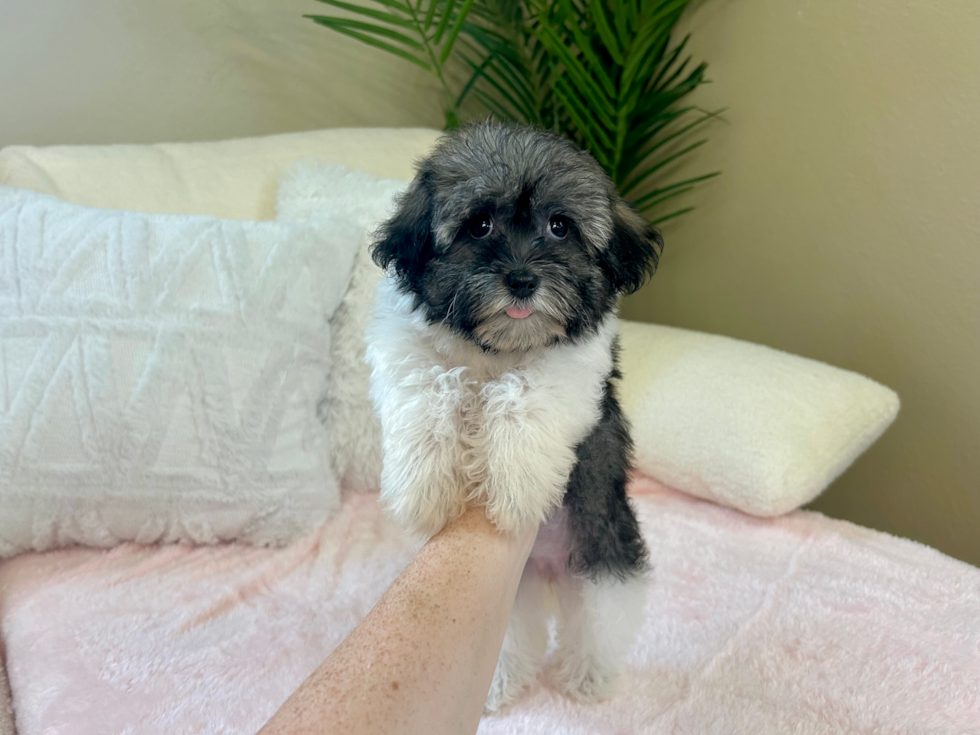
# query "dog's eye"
(480, 227)
(558, 227)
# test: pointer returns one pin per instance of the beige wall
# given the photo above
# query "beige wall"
(846, 227)
(121, 71)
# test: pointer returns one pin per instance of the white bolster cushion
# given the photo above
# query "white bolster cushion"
(744, 425)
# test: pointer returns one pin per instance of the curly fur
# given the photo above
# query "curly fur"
(493, 368)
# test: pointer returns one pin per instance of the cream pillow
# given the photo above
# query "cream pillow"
(744, 425)
(737, 423)
(159, 375)
(234, 179)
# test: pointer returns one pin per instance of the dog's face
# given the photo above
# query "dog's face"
(515, 239)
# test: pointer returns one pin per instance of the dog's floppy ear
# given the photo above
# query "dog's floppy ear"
(633, 251)
(406, 240)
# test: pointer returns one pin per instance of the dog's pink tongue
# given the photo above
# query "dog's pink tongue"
(518, 312)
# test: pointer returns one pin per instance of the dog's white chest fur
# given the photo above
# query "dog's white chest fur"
(461, 425)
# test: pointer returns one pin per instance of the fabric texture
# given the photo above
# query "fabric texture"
(232, 179)
(741, 424)
(797, 624)
(239, 179)
(6, 707)
(311, 192)
(160, 375)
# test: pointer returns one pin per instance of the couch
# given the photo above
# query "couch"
(784, 623)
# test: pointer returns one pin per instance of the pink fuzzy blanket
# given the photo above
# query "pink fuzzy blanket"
(800, 624)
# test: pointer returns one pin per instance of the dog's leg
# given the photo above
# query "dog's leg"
(529, 443)
(421, 420)
(598, 620)
(533, 421)
(420, 402)
(522, 654)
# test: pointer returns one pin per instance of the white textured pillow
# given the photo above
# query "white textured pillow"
(159, 375)
(737, 423)
(744, 425)
(310, 191)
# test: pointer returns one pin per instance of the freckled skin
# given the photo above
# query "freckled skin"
(433, 637)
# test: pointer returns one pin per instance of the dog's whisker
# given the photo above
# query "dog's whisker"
(449, 311)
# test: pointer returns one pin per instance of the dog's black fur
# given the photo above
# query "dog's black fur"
(606, 536)
(522, 181)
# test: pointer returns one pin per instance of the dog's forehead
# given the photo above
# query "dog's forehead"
(503, 162)
(530, 188)
(487, 165)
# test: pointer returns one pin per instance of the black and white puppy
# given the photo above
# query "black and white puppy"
(493, 355)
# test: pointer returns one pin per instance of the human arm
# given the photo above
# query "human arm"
(422, 660)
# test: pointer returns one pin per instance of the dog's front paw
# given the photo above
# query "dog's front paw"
(585, 679)
(528, 459)
(422, 483)
(509, 679)
(515, 517)
(424, 514)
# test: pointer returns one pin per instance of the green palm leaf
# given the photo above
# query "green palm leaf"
(360, 26)
(605, 31)
(590, 89)
(500, 73)
(496, 109)
(652, 198)
(454, 32)
(653, 144)
(520, 106)
(605, 73)
(370, 13)
(361, 33)
(672, 215)
(446, 17)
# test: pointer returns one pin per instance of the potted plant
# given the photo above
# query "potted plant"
(604, 73)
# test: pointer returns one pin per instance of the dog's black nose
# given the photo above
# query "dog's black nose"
(522, 283)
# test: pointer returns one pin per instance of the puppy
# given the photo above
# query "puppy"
(493, 356)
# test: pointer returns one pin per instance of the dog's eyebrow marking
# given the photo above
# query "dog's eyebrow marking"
(522, 207)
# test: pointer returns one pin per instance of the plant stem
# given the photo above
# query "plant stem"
(448, 105)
